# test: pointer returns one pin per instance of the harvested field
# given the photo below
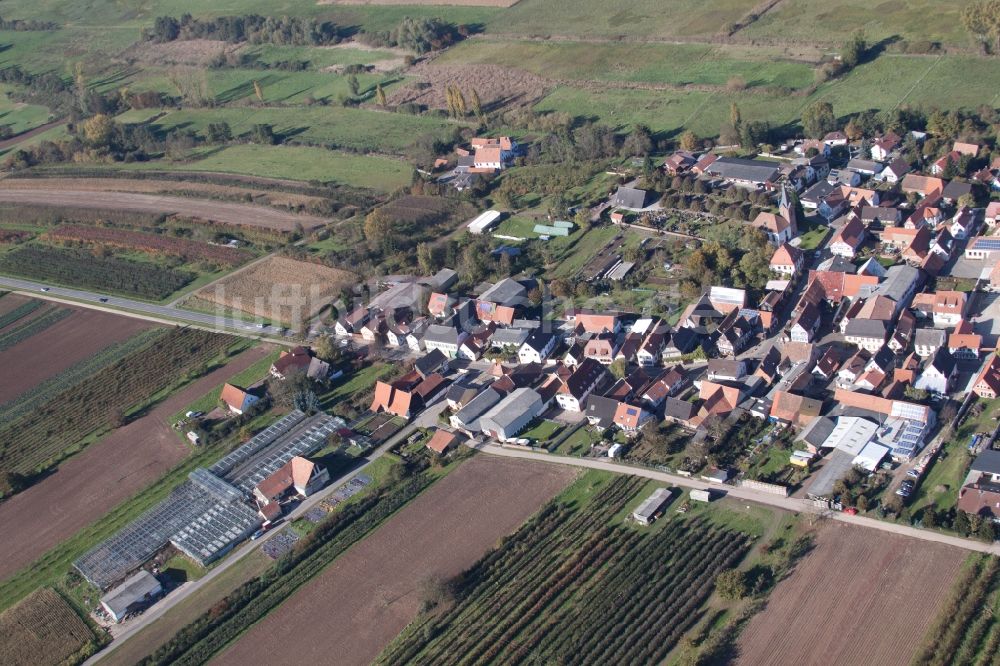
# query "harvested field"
(106, 473)
(370, 593)
(60, 346)
(152, 244)
(42, 629)
(213, 211)
(278, 289)
(860, 597)
(497, 86)
(197, 52)
(156, 186)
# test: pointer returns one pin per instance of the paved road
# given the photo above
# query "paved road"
(128, 306)
(787, 503)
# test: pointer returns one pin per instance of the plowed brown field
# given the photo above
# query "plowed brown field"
(102, 475)
(213, 211)
(353, 609)
(860, 597)
(83, 333)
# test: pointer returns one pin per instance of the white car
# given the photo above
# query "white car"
(46, 288)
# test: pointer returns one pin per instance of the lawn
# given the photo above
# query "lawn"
(671, 64)
(334, 127)
(517, 227)
(359, 383)
(181, 569)
(577, 249)
(812, 234)
(542, 431)
(578, 443)
(308, 163)
(640, 18)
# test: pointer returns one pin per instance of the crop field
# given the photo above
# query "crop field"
(151, 243)
(967, 630)
(306, 163)
(85, 500)
(42, 630)
(32, 325)
(14, 308)
(368, 595)
(84, 269)
(54, 350)
(861, 596)
(41, 438)
(664, 64)
(278, 289)
(571, 569)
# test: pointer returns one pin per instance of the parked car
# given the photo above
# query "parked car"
(851, 511)
(46, 289)
(103, 299)
(913, 473)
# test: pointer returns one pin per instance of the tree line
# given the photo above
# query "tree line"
(253, 28)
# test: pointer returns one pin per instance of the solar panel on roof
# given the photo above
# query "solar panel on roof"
(987, 244)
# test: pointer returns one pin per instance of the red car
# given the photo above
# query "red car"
(851, 511)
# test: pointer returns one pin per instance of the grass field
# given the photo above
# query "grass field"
(929, 20)
(294, 163)
(673, 64)
(891, 80)
(597, 18)
(318, 57)
(354, 129)
(227, 86)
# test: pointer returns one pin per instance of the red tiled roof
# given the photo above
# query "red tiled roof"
(441, 441)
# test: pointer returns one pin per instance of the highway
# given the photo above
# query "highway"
(151, 311)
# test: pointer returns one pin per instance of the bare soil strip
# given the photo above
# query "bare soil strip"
(214, 211)
(355, 607)
(860, 597)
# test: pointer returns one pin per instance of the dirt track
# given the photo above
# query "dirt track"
(860, 597)
(359, 604)
(103, 475)
(62, 345)
(215, 211)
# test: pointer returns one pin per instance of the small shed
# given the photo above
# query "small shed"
(137, 592)
(442, 441)
(652, 507)
(701, 495)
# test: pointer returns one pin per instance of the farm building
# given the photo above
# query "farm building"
(237, 399)
(630, 198)
(305, 476)
(652, 507)
(512, 414)
(483, 222)
(442, 441)
(137, 592)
